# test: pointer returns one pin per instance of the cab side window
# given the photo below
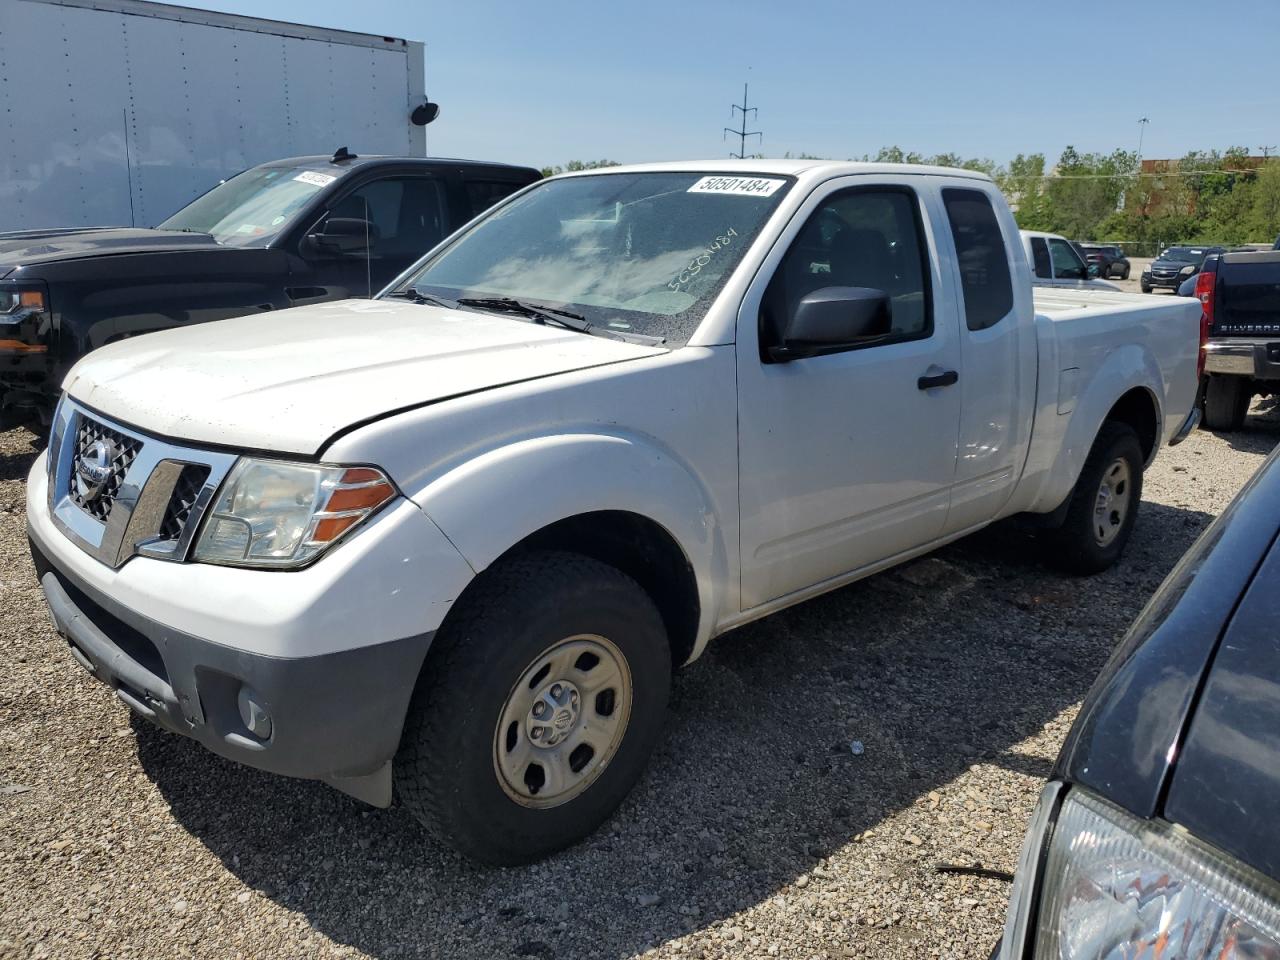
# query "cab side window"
(483, 194)
(1067, 264)
(984, 264)
(1041, 265)
(857, 238)
(405, 215)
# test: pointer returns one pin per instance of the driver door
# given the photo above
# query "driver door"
(368, 237)
(848, 458)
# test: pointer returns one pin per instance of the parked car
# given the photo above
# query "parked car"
(1156, 833)
(1174, 266)
(278, 235)
(1057, 262)
(1241, 297)
(449, 543)
(1110, 261)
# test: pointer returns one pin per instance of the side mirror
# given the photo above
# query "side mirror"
(342, 237)
(833, 319)
(1093, 271)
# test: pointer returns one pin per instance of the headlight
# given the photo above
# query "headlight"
(271, 513)
(1188, 269)
(1118, 887)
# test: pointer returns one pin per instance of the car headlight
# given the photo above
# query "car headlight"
(1119, 887)
(1187, 270)
(272, 513)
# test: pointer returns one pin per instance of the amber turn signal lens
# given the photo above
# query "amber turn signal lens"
(33, 299)
(331, 528)
(358, 498)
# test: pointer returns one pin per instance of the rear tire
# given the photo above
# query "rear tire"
(1104, 503)
(1125, 275)
(537, 709)
(1226, 402)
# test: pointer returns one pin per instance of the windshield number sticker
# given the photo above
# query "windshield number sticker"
(737, 186)
(315, 179)
(702, 259)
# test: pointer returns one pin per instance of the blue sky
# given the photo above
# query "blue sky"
(570, 79)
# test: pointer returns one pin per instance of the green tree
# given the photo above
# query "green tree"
(575, 166)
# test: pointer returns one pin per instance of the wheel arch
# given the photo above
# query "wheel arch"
(618, 498)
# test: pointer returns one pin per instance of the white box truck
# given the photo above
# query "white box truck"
(122, 111)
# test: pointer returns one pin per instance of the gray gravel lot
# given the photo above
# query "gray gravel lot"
(756, 833)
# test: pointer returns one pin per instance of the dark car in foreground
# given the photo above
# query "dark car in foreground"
(1173, 266)
(1110, 261)
(1157, 834)
(278, 235)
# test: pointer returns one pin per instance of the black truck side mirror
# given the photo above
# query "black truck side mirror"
(833, 319)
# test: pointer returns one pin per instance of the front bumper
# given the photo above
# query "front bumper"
(1258, 359)
(331, 653)
(335, 717)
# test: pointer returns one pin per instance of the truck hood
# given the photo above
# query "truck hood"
(31, 247)
(289, 381)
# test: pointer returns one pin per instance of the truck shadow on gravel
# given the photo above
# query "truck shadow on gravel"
(945, 662)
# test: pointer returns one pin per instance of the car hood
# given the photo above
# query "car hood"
(26, 248)
(289, 381)
(1172, 264)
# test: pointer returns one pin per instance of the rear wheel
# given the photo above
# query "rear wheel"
(1125, 275)
(1104, 503)
(537, 710)
(1226, 402)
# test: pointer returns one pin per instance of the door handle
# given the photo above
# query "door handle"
(939, 380)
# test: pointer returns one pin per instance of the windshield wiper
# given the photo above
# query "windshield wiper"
(561, 318)
(417, 296)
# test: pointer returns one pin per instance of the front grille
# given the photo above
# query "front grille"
(185, 492)
(120, 451)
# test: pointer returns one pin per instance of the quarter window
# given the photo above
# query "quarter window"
(483, 194)
(984, 262)
(1041, 265)
(857, 238)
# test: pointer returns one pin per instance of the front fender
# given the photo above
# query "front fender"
(490, 503)
(1121, 370)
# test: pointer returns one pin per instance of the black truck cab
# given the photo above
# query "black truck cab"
(281, 234)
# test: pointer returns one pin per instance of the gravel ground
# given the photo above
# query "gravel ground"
(757, 831)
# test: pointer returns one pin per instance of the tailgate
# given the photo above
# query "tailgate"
(1247, 299)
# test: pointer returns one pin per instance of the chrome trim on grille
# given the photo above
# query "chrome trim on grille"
(143, 493)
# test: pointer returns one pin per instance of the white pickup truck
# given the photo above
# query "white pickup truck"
(448, 544)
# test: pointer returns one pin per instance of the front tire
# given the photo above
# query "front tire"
(1104, 503)
(1226, 402)
(537, 709)
(1146, 287)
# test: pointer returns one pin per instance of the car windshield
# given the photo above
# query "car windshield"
(1183, 254)
(252, 207)
(641, 253)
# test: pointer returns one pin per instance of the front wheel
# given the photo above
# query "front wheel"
(538, 707)
(1146, 287)
(1104, 503)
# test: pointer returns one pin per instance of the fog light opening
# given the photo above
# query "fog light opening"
(253, 714)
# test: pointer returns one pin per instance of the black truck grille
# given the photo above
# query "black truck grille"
(100, 446)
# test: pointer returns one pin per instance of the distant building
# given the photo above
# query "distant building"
(1167, 188)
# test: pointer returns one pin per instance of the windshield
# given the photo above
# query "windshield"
(252, 207)
(638, 253)
(1183, 254)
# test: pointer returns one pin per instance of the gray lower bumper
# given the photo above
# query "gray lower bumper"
(336, 717)
(1258, 359)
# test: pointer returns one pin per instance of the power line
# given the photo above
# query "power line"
(744, 132)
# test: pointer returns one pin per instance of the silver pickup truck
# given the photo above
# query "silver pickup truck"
(448, 544)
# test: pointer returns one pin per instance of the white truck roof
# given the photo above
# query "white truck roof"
(793, 168)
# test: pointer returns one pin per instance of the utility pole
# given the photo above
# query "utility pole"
(744, 132)
(1142, 128)
(1266, 151)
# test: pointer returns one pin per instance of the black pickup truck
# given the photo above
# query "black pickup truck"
(282, 234)
(1241, 297)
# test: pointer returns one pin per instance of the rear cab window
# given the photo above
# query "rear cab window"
(483, 194)
(982, 258)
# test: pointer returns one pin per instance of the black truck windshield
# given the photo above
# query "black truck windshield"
(252, 207)
(641, 253)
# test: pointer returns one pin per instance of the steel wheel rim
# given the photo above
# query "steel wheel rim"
(563, 721)
(1111, 506)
